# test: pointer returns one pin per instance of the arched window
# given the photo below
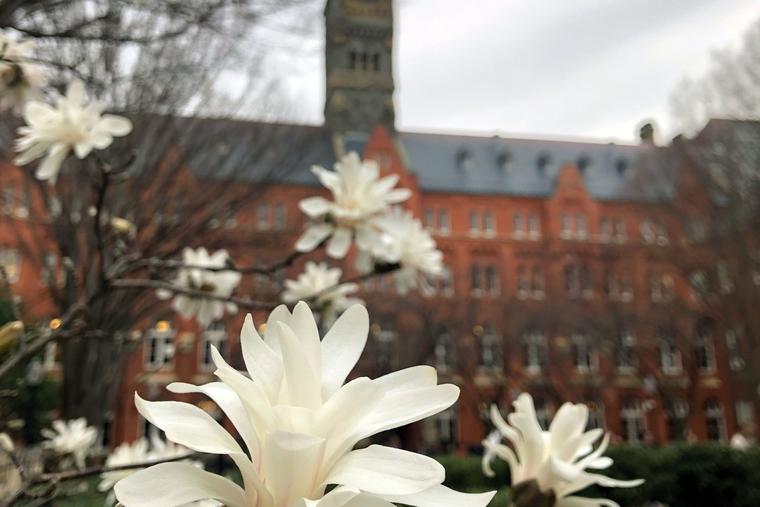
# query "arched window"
(632, 417)
(715, 421)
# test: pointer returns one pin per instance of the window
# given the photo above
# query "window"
(567, 228)
(586, 360)
(626, 288)
(662, 234)
(443, 222)
(446, 428)
(647, 231)
(534, 227)
(7, 198)
(633, 420)
(279, 216)
(704, 348)
(595, 416)
(353, 60)
(605, 230)
(661, 288)
(620, 231)
(518, 227)
(385, 338)
(670, 355)
(376, 62)
(490, 349)
(159, 345)
(626, 352)
(572, 282)
(538, 283)
(215, 335)
(492, 280)
(523, 283)
(535, 351)
(677, 420)
(587, 287)
(474, 223)
(47, 276)
(725, 280)
(428, 219)
(476, 284)
(445, 352)
(262, 216)
(443, 284)
(488, 224)
(484, 280)
(715, 421)
(745, 414)
(581, 227)
(10, 259)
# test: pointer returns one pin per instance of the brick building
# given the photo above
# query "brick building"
(564, 268)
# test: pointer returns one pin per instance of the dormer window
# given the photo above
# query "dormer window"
(621, 166)
(543, 160)
(583, 162)
(464, 159)
(502, 159)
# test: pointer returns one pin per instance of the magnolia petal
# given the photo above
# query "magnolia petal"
(117, 126)
(291, 461)
(313, 237)
(386, 471)
(441, 496)
(342, 346)
(577, 501)
(188, 425)
(230, 404)
(400, 408)
(503, 452)
(338, 246)
(176, 484)
(301, 382)
(51, 164)
(314, 206)
(415, 377)
(305, 328)
(262, 363)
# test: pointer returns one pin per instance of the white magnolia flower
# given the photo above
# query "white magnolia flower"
(21, 80)
(220, 284)
(407, 243)
(359, 196)
(556, 459)
(315, 281)
(74, 124)
(71, 438)
(299, 423)
(138, 451)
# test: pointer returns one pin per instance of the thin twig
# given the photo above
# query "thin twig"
(138, 283)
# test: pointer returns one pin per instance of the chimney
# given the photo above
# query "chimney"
(646, 133)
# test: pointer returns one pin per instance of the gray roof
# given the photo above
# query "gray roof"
(252, 151)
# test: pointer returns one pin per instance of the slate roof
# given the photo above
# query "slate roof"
(442, 162)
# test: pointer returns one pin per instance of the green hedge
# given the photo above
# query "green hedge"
(678, 476)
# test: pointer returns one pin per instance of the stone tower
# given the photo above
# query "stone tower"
(359, 65)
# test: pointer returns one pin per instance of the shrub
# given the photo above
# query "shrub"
(700, 475)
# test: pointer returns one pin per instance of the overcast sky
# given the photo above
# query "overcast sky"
(557, 68)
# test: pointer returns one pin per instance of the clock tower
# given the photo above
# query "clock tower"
(359, 65)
